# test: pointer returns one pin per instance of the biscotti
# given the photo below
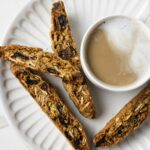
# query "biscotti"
(130, 117)
(36, 59)
(64, 45)
(52, 104)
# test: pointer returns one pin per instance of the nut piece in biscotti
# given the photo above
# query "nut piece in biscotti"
(64, 45)
(36, 59)
(52, 104)
(130, 117)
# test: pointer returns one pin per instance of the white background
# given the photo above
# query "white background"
(8, 10)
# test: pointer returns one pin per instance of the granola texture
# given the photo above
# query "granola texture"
(64, 45)
(36, 59)
(130, 117)
(52, 104)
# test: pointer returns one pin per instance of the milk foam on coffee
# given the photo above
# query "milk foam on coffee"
(119, 51)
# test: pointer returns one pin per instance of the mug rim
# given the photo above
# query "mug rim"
(90, 75)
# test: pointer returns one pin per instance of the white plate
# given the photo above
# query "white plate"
(31, 27)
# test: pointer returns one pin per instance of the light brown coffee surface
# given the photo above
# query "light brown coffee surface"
(106, 64)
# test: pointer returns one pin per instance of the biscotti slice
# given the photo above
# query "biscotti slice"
(52, 104)
(36, 59)
(64, 45)
(63, 42)
(130, 117)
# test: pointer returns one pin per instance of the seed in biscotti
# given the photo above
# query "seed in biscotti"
(51, 70)
(102, 140)
(68, 135)
(34, 72)
(44, 86)
(19, 55)
(17, 74)
(78, 142)
(72, 51)
(63, 120)
(31, 82)
(62, 21)
(134, 119)
(63, 54)
(59, 108)
(120, 131)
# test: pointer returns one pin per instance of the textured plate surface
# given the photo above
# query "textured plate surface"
(31, 27)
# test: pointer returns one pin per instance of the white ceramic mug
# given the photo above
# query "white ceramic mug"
(84, 62)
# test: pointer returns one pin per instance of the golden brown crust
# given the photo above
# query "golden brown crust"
(52, 104)
(64, 45)
(38, 60)
(130, 117)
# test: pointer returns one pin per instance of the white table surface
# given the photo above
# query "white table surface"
(8, 9)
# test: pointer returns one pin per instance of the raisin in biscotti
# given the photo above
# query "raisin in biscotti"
(64, 45)
(52, 104)
(36, 59)
(130, 117)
